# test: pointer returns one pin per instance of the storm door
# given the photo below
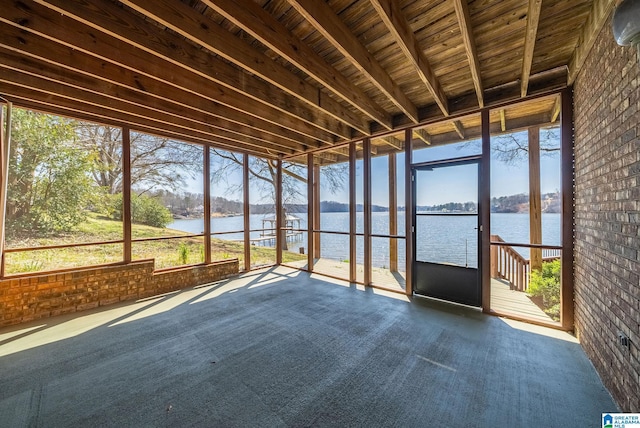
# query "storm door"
(447, 231)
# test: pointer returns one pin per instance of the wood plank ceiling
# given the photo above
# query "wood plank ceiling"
(283, 77)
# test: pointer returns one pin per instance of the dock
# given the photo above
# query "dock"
(269, 240)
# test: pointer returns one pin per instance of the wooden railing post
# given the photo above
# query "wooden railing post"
(519, 281)
(494, 258)
(508, 264)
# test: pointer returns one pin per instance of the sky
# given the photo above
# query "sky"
(437, 186)
(505, 179)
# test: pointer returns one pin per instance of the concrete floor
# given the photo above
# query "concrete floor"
(280, 347)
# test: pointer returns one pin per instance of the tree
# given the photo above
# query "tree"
(49, 186)
(156, 162)
(105, 143)
(264, 172)
(512, 148)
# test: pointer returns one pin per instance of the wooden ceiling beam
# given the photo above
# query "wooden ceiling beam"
(331, 157)
(540, 84)
(61, 29)
(466, 29)
(555, 111)
(344, 151)
(327, 23)
(533, 18)
(457, 125)
(472, 133)
(23, 49)
(53, 104)
(253, 19)
(423, 135)
(391, 14)
(194, 26)
(600, 11)
(393, 142)
(113, 105)
(341, 151)
(186, 65)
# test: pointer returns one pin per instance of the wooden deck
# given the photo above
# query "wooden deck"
(507, 301)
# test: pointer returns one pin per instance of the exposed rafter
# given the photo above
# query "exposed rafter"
(38, 99)
(194, 26)
(423, 135)
(393, 142)
(533, 17)
(188, 67)
(503, 120)
(252, 18)
(391, 15)
(332, 157)
(555, 111)
(286, 77)
(600, 11)
(160, 116)
(457, 125)
(464, 19)
(32, 53)
(344, 151)
(320, 15)
(514, 125)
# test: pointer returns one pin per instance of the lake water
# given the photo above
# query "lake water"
(445, 239)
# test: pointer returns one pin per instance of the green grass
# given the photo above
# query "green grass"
(166, 253)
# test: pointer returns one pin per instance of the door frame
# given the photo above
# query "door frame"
(467, 160)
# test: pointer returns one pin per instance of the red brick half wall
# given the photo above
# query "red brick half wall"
(41, 296)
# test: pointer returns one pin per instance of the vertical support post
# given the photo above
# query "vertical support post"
(494, 257)
(206, 180)
(566, 143)
(246, 212)
(316, 211)
(310, 212)
(367, 210)
(535, 210)
(408, 210)
(484, 210)
(352, 213)
(126, 195)
(5, 143)
(281, 233)
(393, 214)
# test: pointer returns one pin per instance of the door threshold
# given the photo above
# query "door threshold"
(448, 302)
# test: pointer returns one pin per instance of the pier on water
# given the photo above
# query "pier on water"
(267, 238)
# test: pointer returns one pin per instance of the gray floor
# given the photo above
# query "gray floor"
(281, 348)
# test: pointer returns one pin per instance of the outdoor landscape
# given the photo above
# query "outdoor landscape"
(65, 192)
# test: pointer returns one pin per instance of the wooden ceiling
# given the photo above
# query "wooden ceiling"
(284, 77)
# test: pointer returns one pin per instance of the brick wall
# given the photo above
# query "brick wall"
(41, 296)
(607, 214)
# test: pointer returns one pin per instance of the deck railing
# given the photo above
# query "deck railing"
(511, 266)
